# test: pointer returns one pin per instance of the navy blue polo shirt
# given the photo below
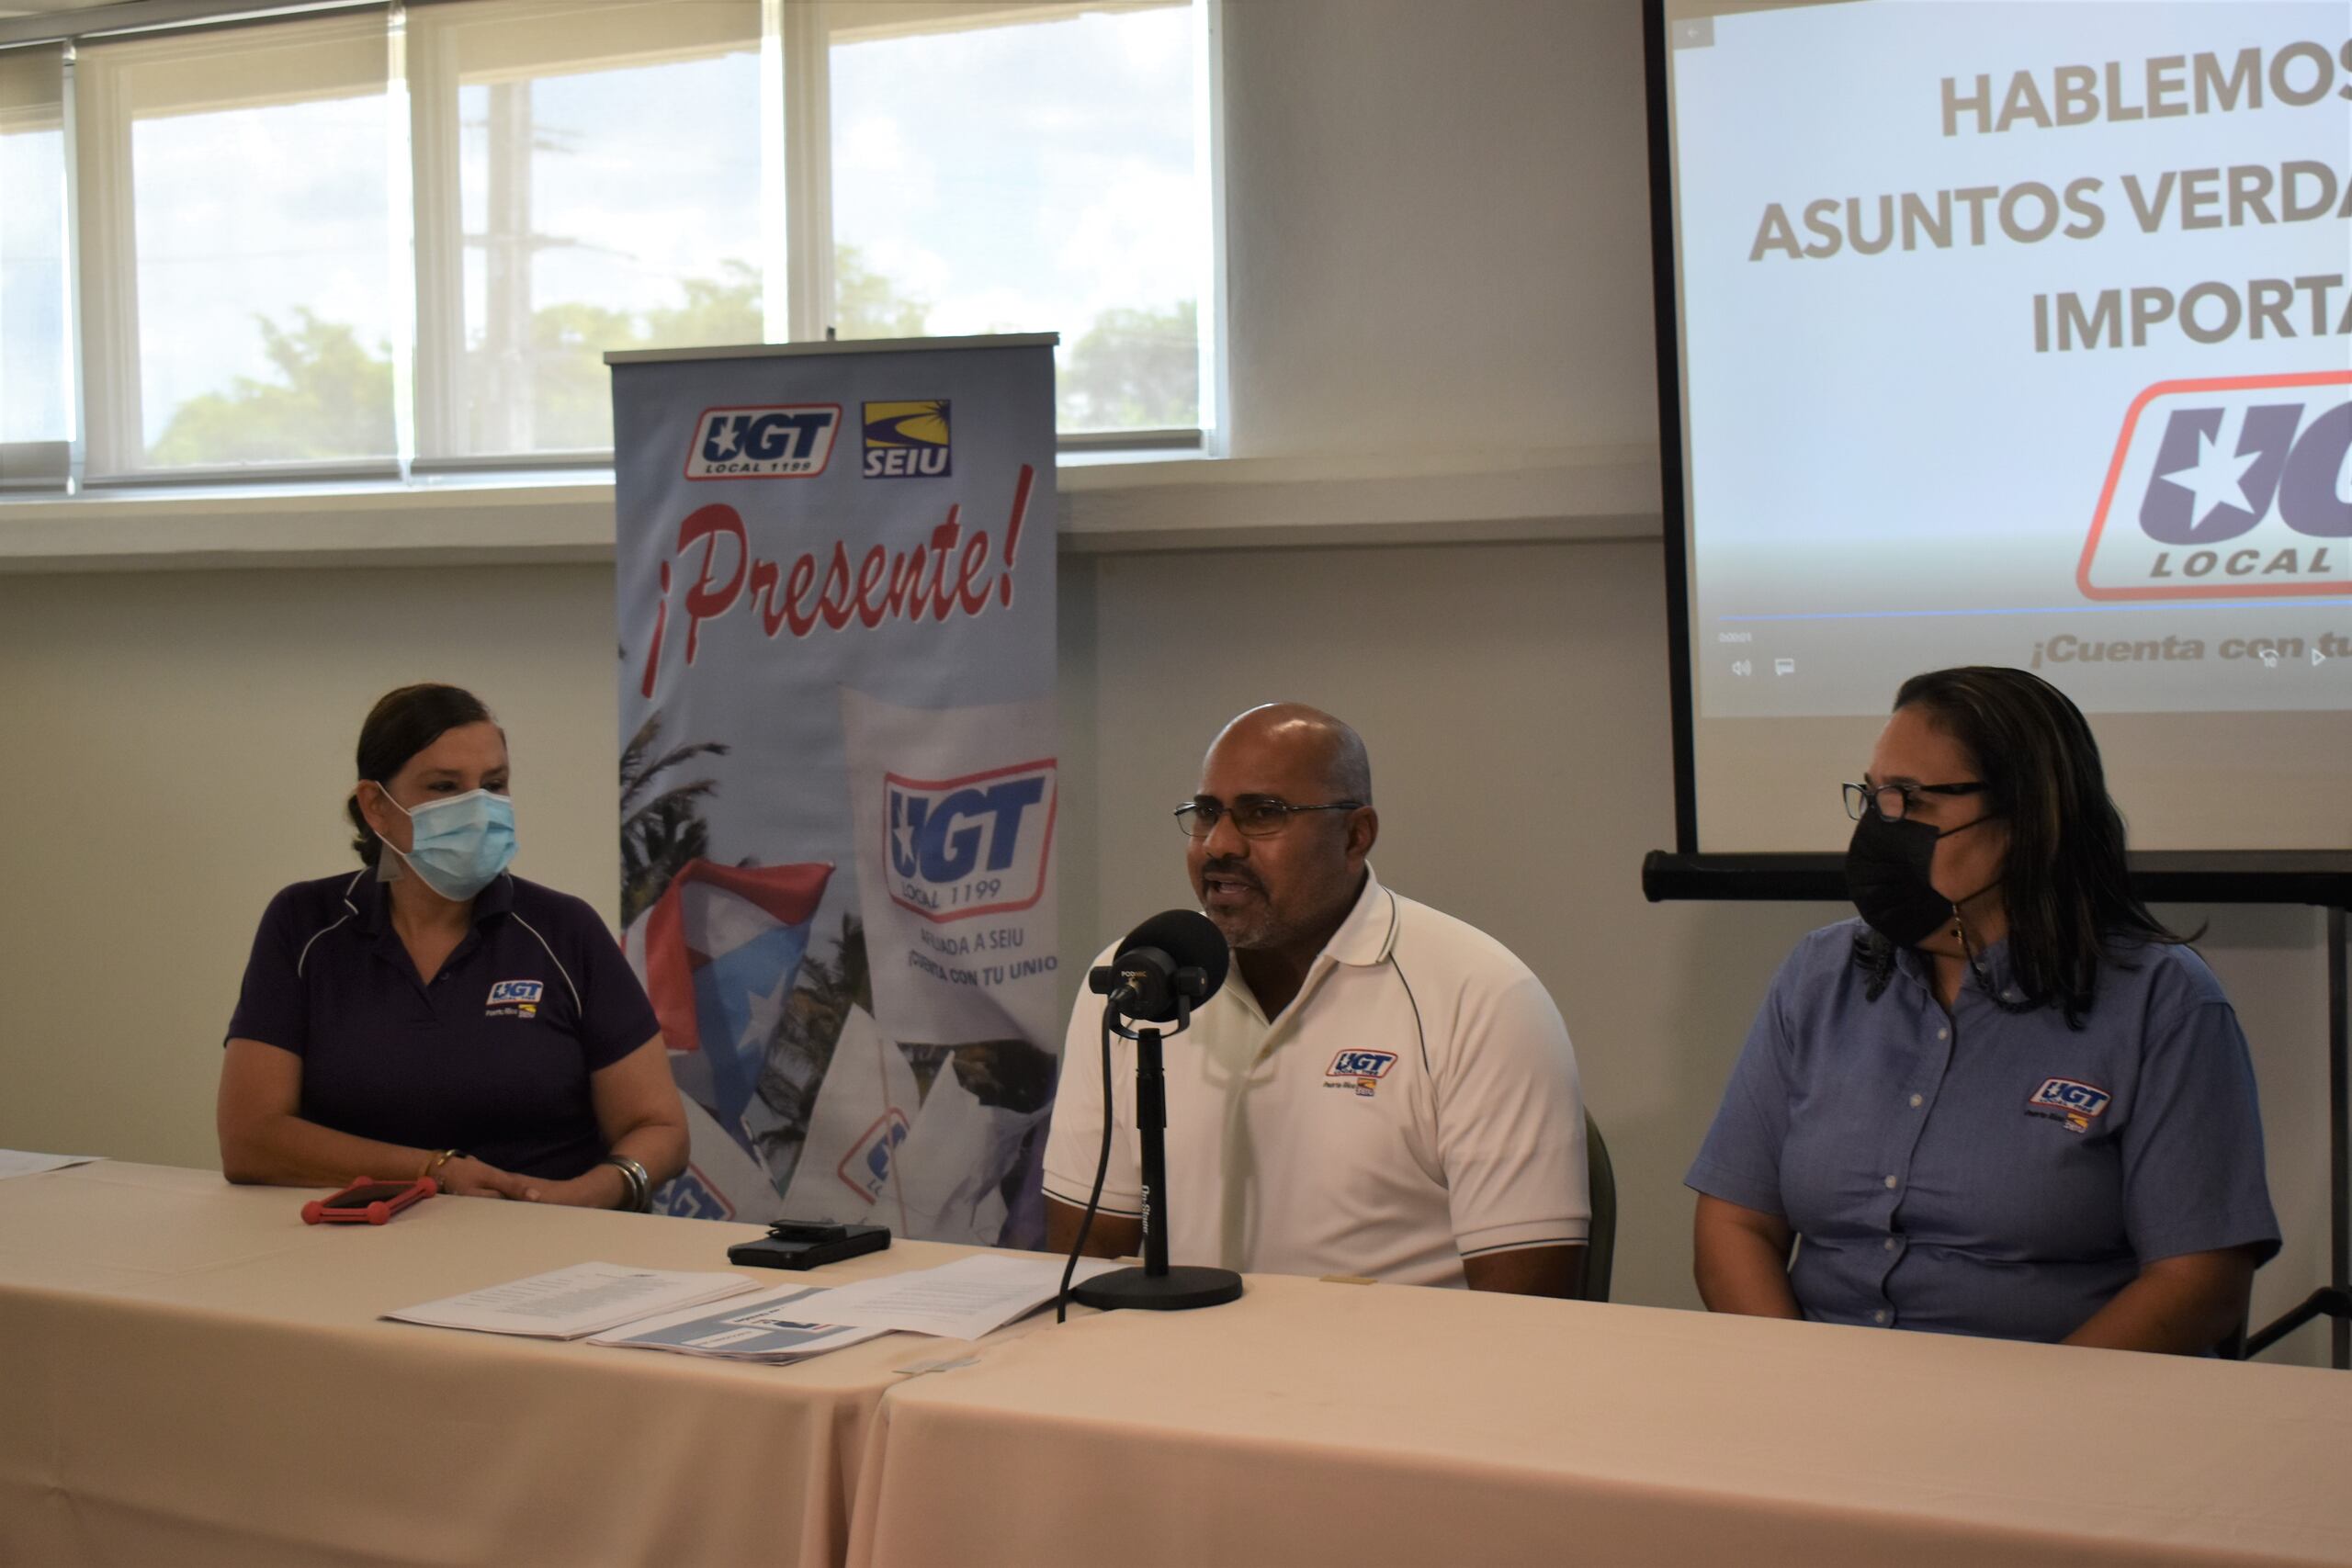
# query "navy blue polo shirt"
(492, 1056)
(1989, 1172)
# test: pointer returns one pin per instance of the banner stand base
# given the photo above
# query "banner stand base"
(1179, 1289)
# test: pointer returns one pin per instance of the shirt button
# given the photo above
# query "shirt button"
(1879, 1316)
(1944, 1034)
(1890, 1243)
(1890, 1181)
(1917, 1100)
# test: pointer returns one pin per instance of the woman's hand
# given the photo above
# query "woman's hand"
(466, 1177)
(600, 1188)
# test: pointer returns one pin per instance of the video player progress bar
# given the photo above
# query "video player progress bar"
(2169, 608)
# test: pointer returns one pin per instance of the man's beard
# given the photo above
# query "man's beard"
(1242, 933)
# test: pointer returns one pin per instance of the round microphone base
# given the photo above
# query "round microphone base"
(1179, 1289)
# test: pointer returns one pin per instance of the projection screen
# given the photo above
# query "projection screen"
(2014, 331)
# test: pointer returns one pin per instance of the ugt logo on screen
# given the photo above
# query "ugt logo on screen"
(976, 845)
(907, 440)
(2233, 486)
(782, 441)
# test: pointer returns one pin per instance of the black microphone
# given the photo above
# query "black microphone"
(1178, 956)
(1163, 968)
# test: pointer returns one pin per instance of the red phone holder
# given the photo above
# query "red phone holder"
(346, 1209)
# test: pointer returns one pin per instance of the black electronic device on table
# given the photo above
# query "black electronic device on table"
(796, 1243)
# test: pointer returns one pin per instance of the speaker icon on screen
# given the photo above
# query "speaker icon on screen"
(1747, 666)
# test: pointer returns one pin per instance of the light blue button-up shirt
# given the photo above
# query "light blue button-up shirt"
(1984, 1171)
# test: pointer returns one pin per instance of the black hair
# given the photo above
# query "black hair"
(2065, 887)
(401, 724)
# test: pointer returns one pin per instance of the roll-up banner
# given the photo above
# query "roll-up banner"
(838, 781)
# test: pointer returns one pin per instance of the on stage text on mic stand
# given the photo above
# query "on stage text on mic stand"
(1165, 966)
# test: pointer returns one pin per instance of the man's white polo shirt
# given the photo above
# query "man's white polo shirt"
(1417, 1102)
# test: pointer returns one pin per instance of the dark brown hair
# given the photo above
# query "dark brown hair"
(2066, 889)
(401, 724)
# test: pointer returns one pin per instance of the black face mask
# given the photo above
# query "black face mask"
(1888, 867)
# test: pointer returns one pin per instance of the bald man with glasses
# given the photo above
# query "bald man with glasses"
(1379, 1089)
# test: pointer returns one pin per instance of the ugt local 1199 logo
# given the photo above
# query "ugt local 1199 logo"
(2235, 487)
(975, 845)
(773, 441)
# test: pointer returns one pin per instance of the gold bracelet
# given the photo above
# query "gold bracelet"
(436, 1162)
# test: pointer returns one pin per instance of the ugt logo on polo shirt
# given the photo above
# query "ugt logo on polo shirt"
(975, 845)
(2229, 486)
(2070, 1100)
(1359, 1070)
(515, 998)
(780, 441)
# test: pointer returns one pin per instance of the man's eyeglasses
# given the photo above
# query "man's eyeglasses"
(1894, 801)
(1252, 817)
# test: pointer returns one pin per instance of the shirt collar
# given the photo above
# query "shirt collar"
(1368, 934)
(371, 901)
(1993, 960)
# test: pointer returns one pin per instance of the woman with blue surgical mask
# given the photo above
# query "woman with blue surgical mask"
(432, 1014)
(2006, 1100)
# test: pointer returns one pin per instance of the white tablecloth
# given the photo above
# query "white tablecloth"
(1355, 1425)
(189, 1374)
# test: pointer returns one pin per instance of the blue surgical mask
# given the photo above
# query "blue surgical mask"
(460, 844)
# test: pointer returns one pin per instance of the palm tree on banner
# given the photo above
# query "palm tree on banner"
(660, 833)
(802, 1048)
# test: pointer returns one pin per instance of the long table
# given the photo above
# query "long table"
(1329, 1423)
(188, 1374)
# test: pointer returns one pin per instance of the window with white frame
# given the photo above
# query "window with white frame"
(238, 268)
(396, 239)
(1036, 172)
(35, 388)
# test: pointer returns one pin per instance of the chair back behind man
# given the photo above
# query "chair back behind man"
(1601, 1243)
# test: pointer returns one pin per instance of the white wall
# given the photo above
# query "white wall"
(1439, 245)
(181, 744)
(1439, 225)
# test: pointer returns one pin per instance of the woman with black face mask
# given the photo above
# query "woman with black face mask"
(2006, 1100)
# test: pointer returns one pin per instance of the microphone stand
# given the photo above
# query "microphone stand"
(1155, 1287)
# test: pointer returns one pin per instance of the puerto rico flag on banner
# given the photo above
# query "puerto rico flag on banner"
(719, 951)
(839, 771)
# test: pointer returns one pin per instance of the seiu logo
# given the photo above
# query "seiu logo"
(970, 846)
(907, 440)
(2239, 486)
(791, 441)
(516, 991)
(1361, 1065)
(2066, 1094)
